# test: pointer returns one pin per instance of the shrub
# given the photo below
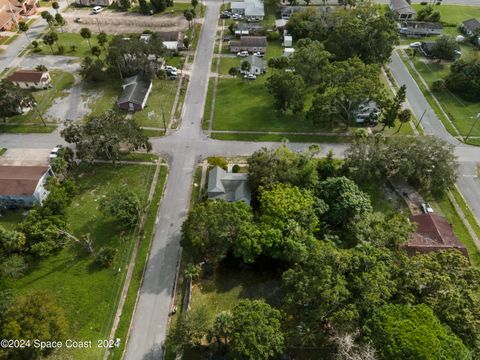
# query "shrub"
(35, 44)
(273, 36)
(73, 48)
(106, 256)
(218, 161)
(439, 85)
(61, 49)
(236, 168)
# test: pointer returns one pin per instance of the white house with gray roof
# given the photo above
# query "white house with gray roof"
(228, 186)
(402, 9)
(251, 9)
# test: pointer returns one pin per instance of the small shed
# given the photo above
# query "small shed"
(288, 51)
(287, 41)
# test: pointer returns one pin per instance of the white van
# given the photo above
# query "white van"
(97, 9)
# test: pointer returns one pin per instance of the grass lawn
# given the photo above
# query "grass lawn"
(87, 294)
(228, 62)
(10, 219)
(105, 95)
(454, 14)
(208, 104)
(25, 129)
(160, 100)
(61, 82)
(279, 137)
(68, 40)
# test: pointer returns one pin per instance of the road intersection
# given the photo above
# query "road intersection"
(185, 148)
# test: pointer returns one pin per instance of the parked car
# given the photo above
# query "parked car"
(249, 76)
(78, 20)
(54, 153)
(415, 45)
(426, 208)
(170, 68)
(258, 53)
(97, 9)
(171, 73)
(243, 53)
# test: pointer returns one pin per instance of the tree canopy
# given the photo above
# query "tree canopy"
(14, 99)
(464, 78)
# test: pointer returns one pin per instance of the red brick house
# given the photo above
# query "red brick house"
(433, 233)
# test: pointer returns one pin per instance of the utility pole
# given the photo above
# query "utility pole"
(473, 126)
(421, 117)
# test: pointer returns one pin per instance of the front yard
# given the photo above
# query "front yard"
(73, 44)
(88, 295)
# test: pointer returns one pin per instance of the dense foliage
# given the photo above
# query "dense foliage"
(464, 78)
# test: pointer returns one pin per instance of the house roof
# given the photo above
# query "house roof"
(6, 11)
(251, 7)
(135, 89)
(253, 41)
(433, 233)
(255, 61)
(20, 180)
(170, 35)
(228, 186)
(402, 7)
(28, 76)
(422, 25)
(471, 24)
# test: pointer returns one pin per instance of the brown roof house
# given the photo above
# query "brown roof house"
(31, 79)
(433, 233)
(402, 10)
(135, 93)
(12, 10)
(23, 186)
(250, 44)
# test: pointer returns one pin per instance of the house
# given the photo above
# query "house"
(23, 186)
(94, 2)
(247, 28)
(10, 14)
(402, 10)
(172, 40)
(434, 233)
(135, 93)
(471, 28)
(228, 186)
(287, 11)
(31, 79)
(250, 44)
(257, 66)
(420, 28)
(287, 41)
(288, 52)
(280, 24)
(251, 9)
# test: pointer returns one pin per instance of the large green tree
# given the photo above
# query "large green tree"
(103, 137)
(288, 91)
(445, 48)
(413, 332)
(464, 78)
(123, 205)
(215, 227)
(310, 60)
(256, 331)
(13, 99)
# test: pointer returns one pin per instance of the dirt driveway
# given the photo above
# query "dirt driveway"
(121, 23)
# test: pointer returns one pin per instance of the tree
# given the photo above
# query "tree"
(125, 4)
(60, 20)
(381, 159)
(102, 39)
(14, 99)
(445, 48)
(35, 316)
(344, 87)
(233, 71)
(309, 60)
(13, 266)
(86, 33)
(158, 5)
(288, 91)
(191, 329)
(194, 3)
(123, 205)
(256, 331)
(92, 70)
(23, 27)
(50, 39)
(56, 6)
(245, 66)
(269, 166)
(404, 117)
(427, 13)
(218, 161)
(144, 8)
(189, 17)
(96, 51)
(345, 201)
(215, 227)
(48, 18)
(41, 67)
(464, 78)
(404, 331)
(391, 113)
(222, 327)
(106, 256)
(104, 136)
(280, 62)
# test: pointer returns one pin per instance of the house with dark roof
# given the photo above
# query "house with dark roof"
(257, 66)
(228, 186)
(433, 233)
(426, 48)
(251, 9)
(23, 186)
(250, 44)
(172, 40)
(135, 93)
(402, 10)
(31, 79)
(471, 28)
(420, 28)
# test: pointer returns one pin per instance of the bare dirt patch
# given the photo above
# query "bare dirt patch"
(122, 23)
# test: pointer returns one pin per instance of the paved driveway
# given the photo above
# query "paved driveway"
(25, 157)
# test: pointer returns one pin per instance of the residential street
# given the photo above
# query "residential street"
(444, 2)
(185, 147)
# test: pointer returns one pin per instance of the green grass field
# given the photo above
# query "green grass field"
(88, 295)
(69, 39)
(61, 81)
(454, 14)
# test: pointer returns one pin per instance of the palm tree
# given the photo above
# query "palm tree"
(96, 51)
(23, 27)
(55, 6)
(404, 117)
(50, 39)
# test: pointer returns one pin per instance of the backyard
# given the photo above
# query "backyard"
(88, 295)
(73, 44)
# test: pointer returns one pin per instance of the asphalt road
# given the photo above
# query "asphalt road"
(444, 2)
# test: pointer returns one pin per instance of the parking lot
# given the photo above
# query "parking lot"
(121, 23)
